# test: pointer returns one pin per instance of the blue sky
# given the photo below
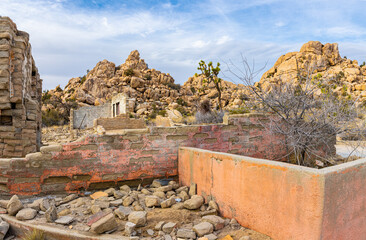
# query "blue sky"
(70, 36)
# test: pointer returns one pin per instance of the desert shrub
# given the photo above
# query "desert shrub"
(209, 117)
(34, 235)
(52, 117)
(363, 64)
(241, 110)
(173, 86)
(193, 90)
(46, 96)
(205, 106)
(147, 76)
(82, 79)
(162, 112)
(129, 72)
(181, 102)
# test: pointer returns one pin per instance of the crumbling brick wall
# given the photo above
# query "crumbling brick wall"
(20, 93)
(101, 161)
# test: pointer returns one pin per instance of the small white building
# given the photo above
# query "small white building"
(119, 104)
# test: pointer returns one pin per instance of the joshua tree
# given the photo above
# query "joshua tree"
(210, 73)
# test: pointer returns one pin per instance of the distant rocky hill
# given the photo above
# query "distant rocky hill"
(322, 60)
(153, 90)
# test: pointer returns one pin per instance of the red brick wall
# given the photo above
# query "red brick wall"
(103, 161)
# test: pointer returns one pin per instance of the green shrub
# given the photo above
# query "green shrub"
(52, 117)
(241, 110)
(46, 96)
(173, 86)
(129, 72)
(147, 76)
(363, 64)
(181, 102)
(82, 79)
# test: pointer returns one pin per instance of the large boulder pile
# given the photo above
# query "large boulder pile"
(322, 61)
(152, 90)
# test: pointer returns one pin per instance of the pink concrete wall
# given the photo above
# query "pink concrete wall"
(281, 200)
(345, 201)
(104, 161)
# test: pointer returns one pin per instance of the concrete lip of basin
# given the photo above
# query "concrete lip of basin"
(20, 228)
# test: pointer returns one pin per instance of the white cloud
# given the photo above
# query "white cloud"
(67, 39)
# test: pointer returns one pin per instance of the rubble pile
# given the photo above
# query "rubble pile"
(163, 210)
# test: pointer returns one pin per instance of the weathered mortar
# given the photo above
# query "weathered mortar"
(108, 160)
(20, 93)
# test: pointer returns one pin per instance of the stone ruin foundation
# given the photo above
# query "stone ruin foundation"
(20, 93)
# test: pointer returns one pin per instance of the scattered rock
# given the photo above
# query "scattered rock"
(211, 236)
(122, 212)
(106, 223)
(213, 205)
(150, 232)
(119, 194)
(203, 228)
(116, 203)
(186, 233)
(95, 209)
(128, 201)
(110, 191)
(4, 227)
(138, 218)
(69, 198)
(94, 218)
(64, 212)
(152, 201)
(97, 195)
(159, 226)
(159, 194)
(192, 189)
(194, 203)
(46, 204)
(64, 220)
(4, 203)
(36, 204)
(125, 188)
(216, 221)
(26, 214)
(155, 184)
(129, 228)
(183, 195)
(14, 205)
(168, 203)
(209, 212)
(168, 227)
(181, 189)
(51, 214)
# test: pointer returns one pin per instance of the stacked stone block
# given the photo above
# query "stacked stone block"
(20, 93)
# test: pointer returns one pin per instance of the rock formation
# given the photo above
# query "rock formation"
(152, 90)
(322, 60)
(20, 93)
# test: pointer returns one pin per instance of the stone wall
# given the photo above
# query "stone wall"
(100, 161)
(20, 93)
(83, 117)
(120, 122)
